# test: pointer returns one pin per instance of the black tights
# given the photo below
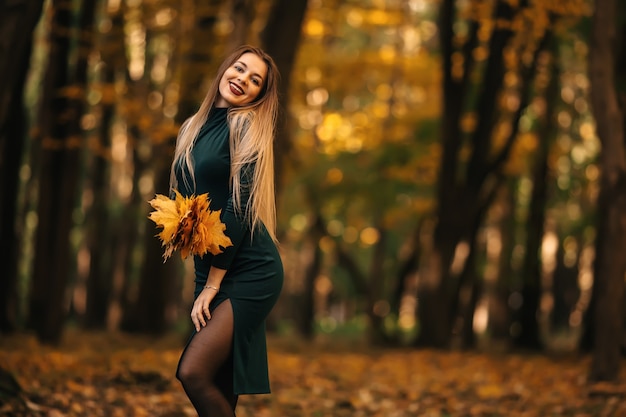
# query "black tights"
(206, 366)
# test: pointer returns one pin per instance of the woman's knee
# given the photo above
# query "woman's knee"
(189, 375)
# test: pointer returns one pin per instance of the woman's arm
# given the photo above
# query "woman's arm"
(235, 219)
(200, 312)
(236, 228)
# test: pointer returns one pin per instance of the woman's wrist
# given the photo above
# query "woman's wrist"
(214, 279)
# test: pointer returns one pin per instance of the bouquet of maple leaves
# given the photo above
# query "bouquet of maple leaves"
(189, 226)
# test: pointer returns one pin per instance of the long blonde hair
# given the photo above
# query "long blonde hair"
(252, 129)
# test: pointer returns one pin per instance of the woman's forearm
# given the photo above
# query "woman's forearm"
(214, 279)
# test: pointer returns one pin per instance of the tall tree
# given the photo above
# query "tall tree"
(473, 188)
(528, 336)
(304, 310)
(97, 222)
(280, 39)
(610, 263)
(17, 24)
(60, 150)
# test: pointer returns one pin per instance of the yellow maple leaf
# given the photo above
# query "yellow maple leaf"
(166, 216)
(210, 234)
(188, 225)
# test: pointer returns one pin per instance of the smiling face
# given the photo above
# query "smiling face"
(242, 82)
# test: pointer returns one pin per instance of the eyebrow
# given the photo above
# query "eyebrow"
(256, 73)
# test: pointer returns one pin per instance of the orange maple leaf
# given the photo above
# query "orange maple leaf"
(189, 225)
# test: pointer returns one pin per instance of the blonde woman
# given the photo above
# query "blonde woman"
(225, 149)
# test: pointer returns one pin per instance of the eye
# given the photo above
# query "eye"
(238, 68)
(256, 82)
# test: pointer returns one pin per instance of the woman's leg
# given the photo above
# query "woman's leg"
(205, 367)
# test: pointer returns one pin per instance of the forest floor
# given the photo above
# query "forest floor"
(126, 376)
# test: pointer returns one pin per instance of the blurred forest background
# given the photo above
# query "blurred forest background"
(451, 173)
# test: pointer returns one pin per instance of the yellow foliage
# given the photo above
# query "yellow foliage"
(314, 28)
(188, 225)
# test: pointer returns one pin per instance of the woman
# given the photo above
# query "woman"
(225, 149)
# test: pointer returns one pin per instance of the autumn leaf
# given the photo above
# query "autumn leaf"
(98, 374)
(188, 225)
(209, 234)
(165, 216)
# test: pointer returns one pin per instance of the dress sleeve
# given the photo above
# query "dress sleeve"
(237, 225)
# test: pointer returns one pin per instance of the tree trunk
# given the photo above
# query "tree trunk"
(144, 303)
(77, 101)
(98, 222)
(146, 306)
(17, 23)
(376, 293)
(565, 291)
(305, 311)
(473, 189)
(59, 164)
(528, 336)
(407, 269)
(460, 312)
(499, 324)
(158, 280)
(610, 264)
(369, 286)
(280, 39)
(128, 238)
(437, 287)
(97, 225)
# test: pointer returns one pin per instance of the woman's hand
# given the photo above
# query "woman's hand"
(200, 313)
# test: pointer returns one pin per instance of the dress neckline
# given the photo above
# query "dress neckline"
(217, 114)
(220, 109)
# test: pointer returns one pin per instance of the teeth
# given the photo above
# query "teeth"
(237, 87)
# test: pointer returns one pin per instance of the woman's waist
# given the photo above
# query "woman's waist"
(243, 263)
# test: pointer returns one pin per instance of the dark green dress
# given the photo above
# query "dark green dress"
(254, 275)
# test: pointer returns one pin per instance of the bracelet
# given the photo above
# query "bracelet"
(206, 287)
